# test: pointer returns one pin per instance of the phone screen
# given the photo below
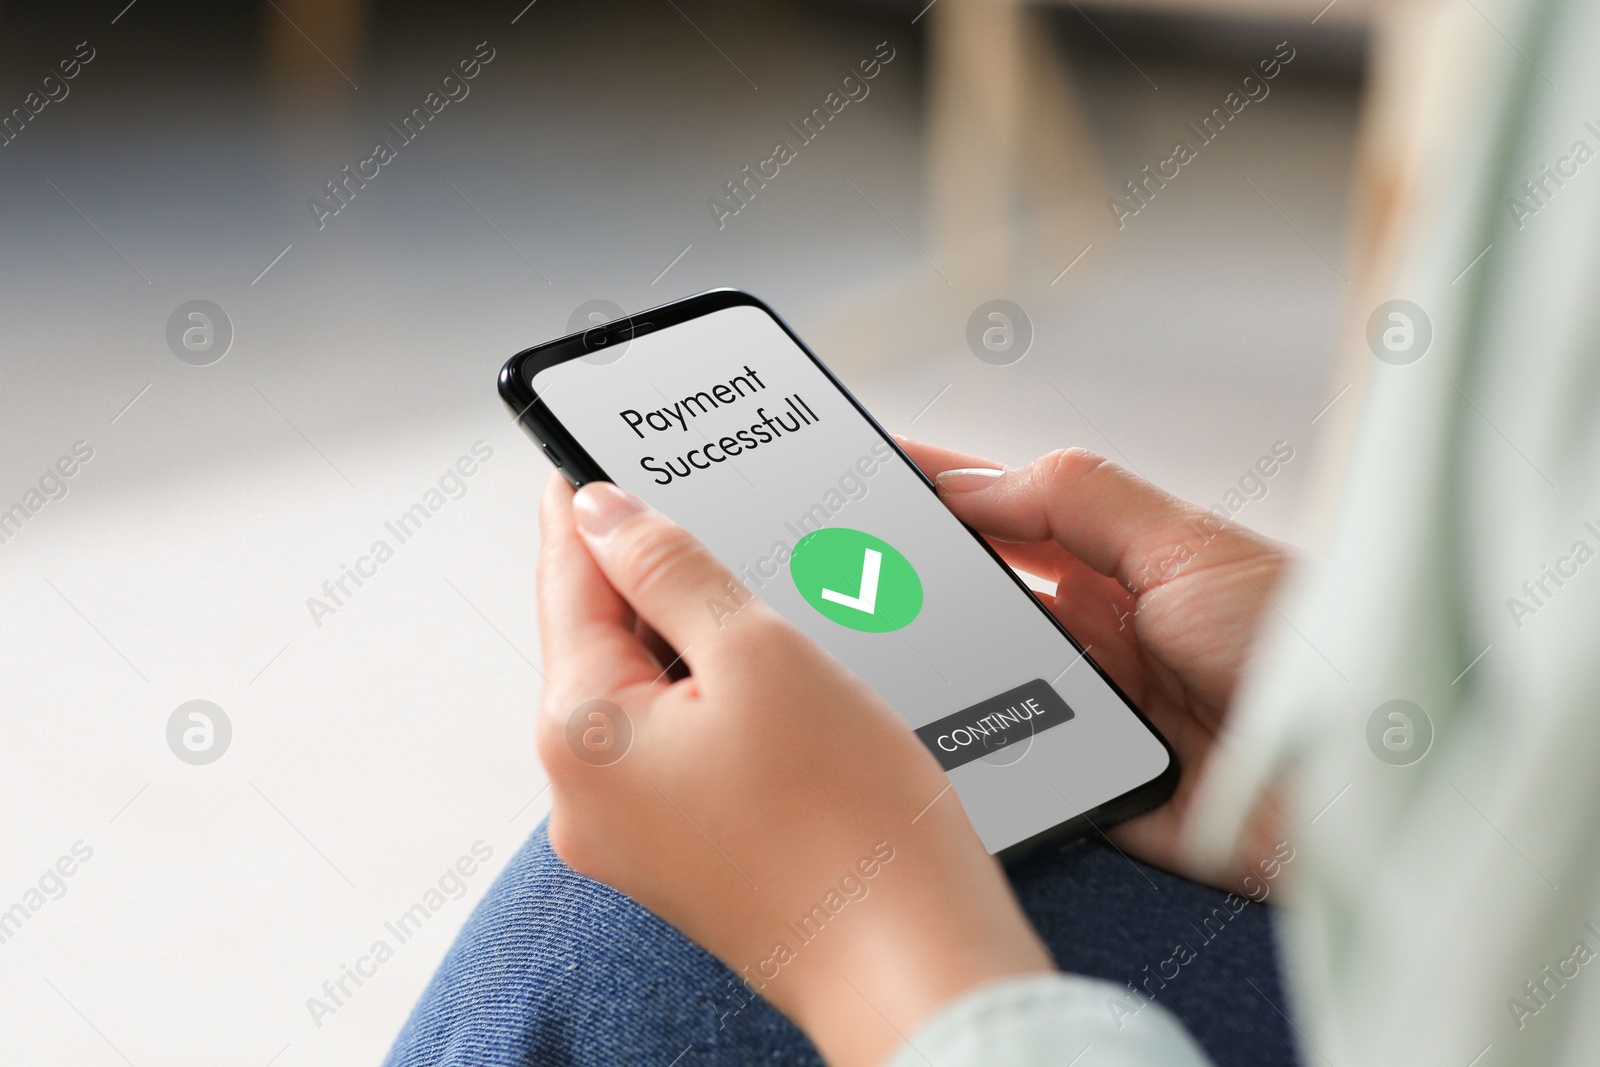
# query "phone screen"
(726, 425)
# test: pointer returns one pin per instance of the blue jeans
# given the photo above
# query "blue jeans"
(553, 968)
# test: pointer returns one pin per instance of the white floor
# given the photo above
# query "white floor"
(371, 752)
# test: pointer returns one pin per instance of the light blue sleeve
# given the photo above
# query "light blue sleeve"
(1049, 1020)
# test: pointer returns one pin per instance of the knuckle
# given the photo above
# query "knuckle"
(1067, 466)
(657, 560)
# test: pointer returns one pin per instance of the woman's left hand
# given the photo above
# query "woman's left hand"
(769, 805)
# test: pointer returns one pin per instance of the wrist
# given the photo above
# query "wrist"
(902, 963)
(858, 1015)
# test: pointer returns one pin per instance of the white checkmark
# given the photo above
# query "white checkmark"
(871, 564)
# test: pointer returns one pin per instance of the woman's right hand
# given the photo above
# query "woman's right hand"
(1166, 594)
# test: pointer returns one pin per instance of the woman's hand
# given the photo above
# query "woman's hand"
(769, 804)
(1166, 595)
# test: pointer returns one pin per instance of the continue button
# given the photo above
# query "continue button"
(992, 724)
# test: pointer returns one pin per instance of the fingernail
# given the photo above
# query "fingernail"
(601, 507)
(967, 479)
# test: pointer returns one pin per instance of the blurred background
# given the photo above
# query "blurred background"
(345, 360)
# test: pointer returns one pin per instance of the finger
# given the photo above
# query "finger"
(1100, 623)
(1076, 583)
(1043, 558)
(1097, 611)
(933, 459)
(585, 628)
(1106, 516)
(671, 579)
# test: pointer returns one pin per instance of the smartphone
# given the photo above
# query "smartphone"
(712, 411)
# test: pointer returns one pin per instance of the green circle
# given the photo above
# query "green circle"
(873, 587)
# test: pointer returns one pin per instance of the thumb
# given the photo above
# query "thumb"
(672, 580)
(1108, 517)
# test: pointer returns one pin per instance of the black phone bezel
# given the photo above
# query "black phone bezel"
(578, 467)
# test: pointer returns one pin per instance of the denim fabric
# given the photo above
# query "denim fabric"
(553, 968)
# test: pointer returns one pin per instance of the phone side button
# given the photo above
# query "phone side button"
(556, 459)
